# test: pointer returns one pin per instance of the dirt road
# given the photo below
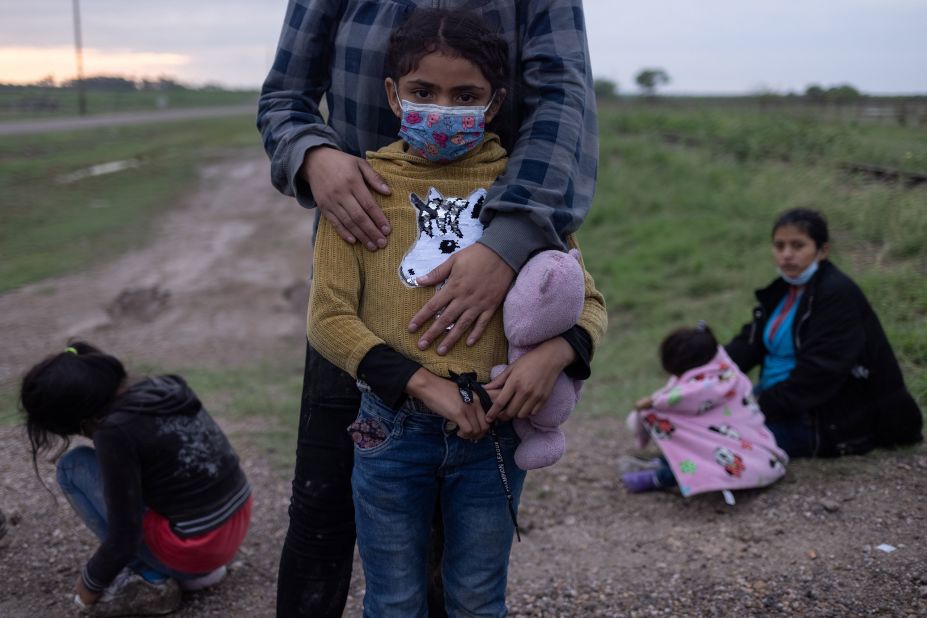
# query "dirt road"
(223, 283)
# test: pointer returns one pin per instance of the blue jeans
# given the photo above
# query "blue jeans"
(797, 439)
(665, 476)
(78, 476)
(396, 483)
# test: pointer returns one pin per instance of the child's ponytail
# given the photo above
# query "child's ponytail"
(65, 392)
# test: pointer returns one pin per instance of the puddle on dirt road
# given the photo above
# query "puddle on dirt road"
(111, 167)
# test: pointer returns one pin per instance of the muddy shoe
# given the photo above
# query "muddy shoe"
(629, 463)
(641, 480)
(204, 581)
(131, 595)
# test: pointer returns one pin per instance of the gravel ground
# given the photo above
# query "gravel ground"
(223, 271)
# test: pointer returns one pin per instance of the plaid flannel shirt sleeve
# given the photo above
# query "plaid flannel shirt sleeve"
(547, 188)
(288, 116)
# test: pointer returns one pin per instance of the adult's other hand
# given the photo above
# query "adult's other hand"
(341, 185)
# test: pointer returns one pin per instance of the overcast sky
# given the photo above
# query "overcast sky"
(706, 46)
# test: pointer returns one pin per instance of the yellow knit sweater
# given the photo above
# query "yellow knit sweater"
(358, 298)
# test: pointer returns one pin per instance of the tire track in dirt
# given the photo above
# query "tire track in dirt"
(221, 282)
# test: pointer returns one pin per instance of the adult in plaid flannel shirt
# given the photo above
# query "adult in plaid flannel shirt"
(335, 49)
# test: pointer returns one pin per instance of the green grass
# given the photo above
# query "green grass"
(21, 103)
(748, 133)
(680, 233)
(9, 406)
(677, 233)
(51, 226)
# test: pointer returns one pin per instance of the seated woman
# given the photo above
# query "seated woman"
(829, 382)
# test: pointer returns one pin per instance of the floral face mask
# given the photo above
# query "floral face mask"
(442, 134)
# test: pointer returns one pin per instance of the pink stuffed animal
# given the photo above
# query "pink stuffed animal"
(545, 301)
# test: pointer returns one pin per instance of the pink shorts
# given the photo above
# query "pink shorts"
(198, 554)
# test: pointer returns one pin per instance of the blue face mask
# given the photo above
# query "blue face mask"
(804, 277)
(442, 134)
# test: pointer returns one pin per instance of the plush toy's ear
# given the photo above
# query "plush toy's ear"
(546, 278)
(546, 300)
(575, 253)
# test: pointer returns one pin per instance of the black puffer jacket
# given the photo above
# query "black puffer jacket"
(846, 382)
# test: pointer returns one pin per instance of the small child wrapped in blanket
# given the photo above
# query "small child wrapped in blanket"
(706, 422)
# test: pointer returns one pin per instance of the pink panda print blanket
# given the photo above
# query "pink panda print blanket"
(711, 431)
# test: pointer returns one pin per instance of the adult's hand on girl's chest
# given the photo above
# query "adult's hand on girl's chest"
(477, 280)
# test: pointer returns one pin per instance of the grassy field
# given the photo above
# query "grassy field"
(679, 230)
(20, 103)
(53, 222)
(789, 132)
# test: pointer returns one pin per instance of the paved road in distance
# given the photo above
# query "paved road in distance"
(52, 125)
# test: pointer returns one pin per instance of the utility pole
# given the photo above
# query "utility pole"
(78, 50)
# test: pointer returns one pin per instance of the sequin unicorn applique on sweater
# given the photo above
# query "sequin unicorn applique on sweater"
(445, 226)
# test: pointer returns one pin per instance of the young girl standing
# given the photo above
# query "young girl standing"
(161, 489)
(421, 432)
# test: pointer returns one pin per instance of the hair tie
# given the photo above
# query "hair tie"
(700, 326)
(72, 350)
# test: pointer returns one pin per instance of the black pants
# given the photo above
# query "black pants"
(318, 552)
(315, 566)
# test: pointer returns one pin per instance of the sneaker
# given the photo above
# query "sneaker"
(203, 581)
(131, 595)
(642, 480)
(629, 463)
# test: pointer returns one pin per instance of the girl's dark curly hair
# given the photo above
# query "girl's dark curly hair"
(66, 394)
(459, 34)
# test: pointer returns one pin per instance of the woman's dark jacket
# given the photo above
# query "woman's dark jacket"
(846, 384)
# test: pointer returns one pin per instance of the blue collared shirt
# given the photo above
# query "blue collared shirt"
(780, 346)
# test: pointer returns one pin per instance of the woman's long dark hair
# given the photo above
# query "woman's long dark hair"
(809, 221)
(67, 393)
